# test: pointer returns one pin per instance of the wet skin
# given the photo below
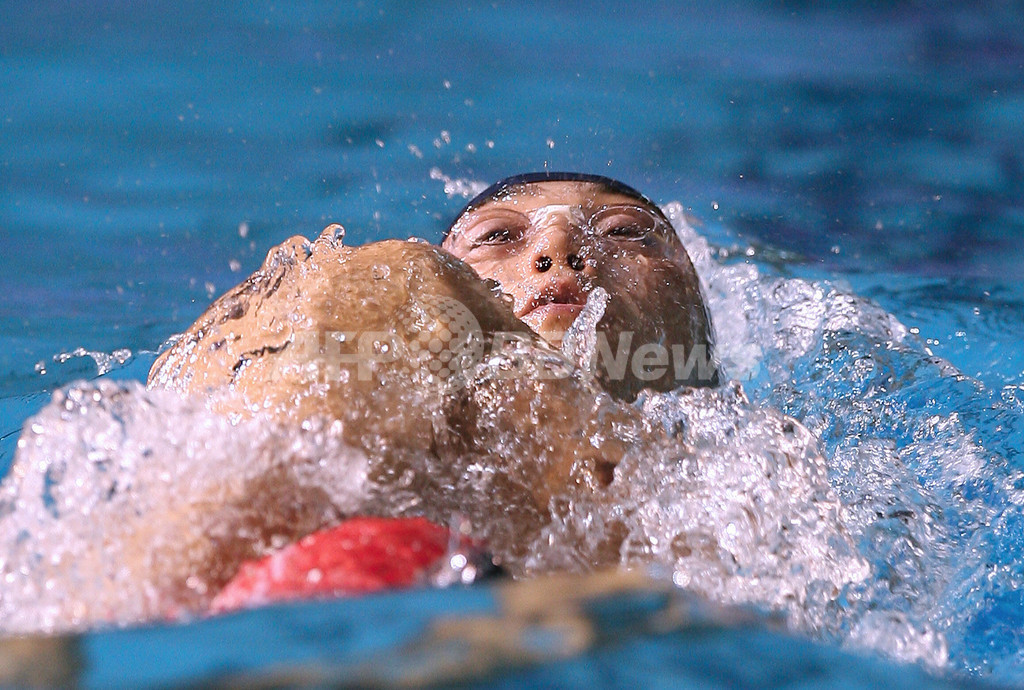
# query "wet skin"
(549, 244)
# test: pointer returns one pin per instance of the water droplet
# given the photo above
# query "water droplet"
(334, 232)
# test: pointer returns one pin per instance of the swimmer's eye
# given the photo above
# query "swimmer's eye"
(496, 231)
(625, 223)
(496, 236)
(627, 232)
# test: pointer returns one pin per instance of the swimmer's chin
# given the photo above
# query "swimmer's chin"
(551, 321)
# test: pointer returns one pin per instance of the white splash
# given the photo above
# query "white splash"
(105, 361)
(458, 187)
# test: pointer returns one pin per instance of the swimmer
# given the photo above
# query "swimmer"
(269, 348)
(549, 239)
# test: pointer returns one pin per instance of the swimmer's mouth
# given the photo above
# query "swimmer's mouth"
(555, 309)
(568, 301)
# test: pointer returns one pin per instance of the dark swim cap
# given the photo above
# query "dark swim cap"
(508, 183)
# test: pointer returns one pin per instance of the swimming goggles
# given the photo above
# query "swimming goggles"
(613, 222)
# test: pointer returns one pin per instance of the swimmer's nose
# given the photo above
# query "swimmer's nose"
(543, 263)
(559, 251)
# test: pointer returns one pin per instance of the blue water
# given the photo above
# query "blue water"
(149, 157)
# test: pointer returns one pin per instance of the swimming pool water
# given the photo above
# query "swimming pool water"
(150, 156)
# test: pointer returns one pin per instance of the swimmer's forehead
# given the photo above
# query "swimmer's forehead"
(533, 195)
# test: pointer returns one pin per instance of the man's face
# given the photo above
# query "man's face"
(548, 244)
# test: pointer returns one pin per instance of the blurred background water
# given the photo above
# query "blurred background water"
(151, 153)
